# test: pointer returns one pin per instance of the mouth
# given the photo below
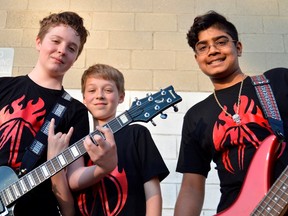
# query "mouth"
(59, 60)
(216, 61)
(100, 104)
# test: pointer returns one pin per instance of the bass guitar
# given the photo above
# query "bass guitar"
(143, 110)
(257, 197)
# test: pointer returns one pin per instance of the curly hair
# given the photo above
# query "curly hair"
(203, 22)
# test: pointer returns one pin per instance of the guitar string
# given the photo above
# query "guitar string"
(131, 110)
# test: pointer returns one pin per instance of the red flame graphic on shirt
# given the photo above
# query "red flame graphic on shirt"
(16, 117)
(119, 180)
(236, 133)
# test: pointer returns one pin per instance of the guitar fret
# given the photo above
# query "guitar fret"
(10, 195)
(116, 125)
(68, 156)
(16, 191)
(35, 177)
(40, 174)
(124, 118)
(31, 180)
(50, 169)
(27, 183)
(120, 122)
(62, 159)
(23, 186)
(4, 198)
(81, 147)
(56, 163)
(75, 151)
(280, 195)
(275, 200)
(17, 184)
(279, 202)
(44, 171)
(269, 209)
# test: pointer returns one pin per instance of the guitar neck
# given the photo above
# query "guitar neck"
(275, 200)
(48, 169)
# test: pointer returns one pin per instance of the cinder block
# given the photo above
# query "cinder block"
(116, 58)
(155, 22)
(162, 41)
(10, 38)
(113, 21)
(130, 40)
(153, 60)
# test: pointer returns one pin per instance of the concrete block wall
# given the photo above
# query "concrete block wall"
(146, 40)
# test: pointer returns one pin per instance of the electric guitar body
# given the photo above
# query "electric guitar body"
(256, 197)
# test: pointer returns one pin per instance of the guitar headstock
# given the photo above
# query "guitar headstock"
(147, 108)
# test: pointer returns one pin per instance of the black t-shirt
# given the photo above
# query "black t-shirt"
(122, 191)
(210, 134)
(23, 108)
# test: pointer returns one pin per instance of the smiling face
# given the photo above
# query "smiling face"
(101, 98)
(218, 63)
(58, 50)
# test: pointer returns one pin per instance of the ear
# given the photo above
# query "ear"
(38, 43)
(196, 57)
(239, 48)
(121, 97)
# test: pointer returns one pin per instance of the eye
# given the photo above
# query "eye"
(221, 42)
(72, 49)
(91, 90)
(108, 90)
(201, 47)
(55, 41)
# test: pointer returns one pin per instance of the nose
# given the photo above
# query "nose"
(212, 48)
(62, 49)
(99, 95)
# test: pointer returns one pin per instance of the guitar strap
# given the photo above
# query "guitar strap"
(269, 105)
(37, 147)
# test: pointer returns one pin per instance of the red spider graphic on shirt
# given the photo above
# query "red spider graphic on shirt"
(236, 133)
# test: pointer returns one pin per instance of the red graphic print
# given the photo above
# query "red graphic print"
(119, 182)
(16, 117)
(236, 133)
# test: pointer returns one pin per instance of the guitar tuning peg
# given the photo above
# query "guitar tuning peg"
(138, 102)
(153, 123)
(175, 108)
(163, 115)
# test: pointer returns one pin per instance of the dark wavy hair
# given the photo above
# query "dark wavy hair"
(203, 22)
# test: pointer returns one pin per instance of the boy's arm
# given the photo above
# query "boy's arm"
(57, 143)
(63, 194)
(191, 196)
(103, 155)
(153, 197)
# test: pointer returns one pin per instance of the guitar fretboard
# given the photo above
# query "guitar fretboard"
(276, 199)
(46, 170)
